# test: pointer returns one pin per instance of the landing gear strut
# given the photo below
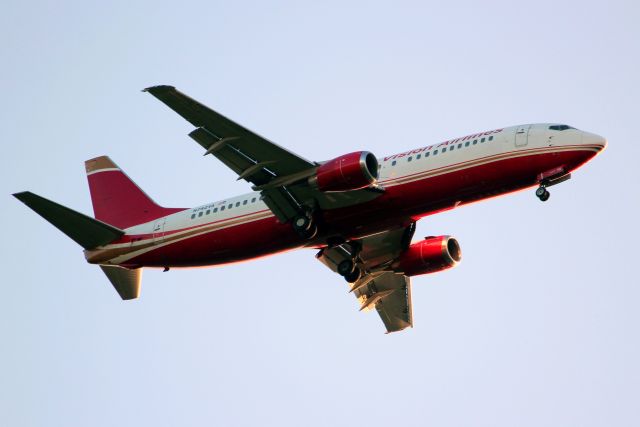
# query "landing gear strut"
(542, 193)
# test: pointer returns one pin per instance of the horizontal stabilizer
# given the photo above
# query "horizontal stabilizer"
(126, 282)
(85, 231)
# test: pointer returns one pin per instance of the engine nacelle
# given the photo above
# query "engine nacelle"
(348, 172)
(431, 255)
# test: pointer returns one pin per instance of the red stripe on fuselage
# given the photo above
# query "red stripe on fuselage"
(397, 205)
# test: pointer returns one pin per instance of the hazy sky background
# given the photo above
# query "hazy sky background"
(539, 325)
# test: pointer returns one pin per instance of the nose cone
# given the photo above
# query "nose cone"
(596, 141)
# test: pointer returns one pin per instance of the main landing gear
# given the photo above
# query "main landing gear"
(305, 226)
(542, 193)
(343, 257)
(348, 268)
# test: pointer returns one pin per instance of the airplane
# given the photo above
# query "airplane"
(358, 211)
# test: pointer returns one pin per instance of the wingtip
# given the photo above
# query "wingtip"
(158, 88)
(20, 194)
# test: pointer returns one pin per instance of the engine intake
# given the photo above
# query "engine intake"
(431, 255)
(351, 171)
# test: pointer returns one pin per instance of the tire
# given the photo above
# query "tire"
(540, 192)
(345, 267)
(545, 196)
(310, 233)
(353, 276)
(301, 223)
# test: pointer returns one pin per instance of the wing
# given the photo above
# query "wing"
(280, 175)
(390, 294)
(378, 287)
(249, 155)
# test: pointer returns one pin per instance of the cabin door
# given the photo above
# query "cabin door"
(158, 230)
(522, 135)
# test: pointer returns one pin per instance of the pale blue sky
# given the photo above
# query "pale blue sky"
(537, 326)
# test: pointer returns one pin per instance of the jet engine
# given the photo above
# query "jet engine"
(431, 255)
(348, 172)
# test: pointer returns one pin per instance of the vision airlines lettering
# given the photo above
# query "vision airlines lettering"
(358, 216)
(443, 144)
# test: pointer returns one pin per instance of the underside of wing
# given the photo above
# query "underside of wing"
(390, 294)
(375, 284)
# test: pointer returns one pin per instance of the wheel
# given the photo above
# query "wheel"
(308, 233)
(540, 192)
(545, 196)
(353, 276)
(301, 223)
(345, 267)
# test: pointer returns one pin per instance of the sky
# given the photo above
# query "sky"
(537, 326)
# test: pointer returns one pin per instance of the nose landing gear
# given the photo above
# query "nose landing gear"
(542, 193)
(547, 179)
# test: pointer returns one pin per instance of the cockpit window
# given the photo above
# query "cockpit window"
(560, 127)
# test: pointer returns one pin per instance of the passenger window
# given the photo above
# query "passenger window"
(393, 163)
(193, 216)
(200, 213)
(253, 200)
(482, 140)
(409, 159)
(466, 144)
(475, 141)
(426, 154)
(245, 202)
(222, 208)
(491, 138)
(435, 152)
(418, 156)
(237, 204)
(215, 210)
(230, 206)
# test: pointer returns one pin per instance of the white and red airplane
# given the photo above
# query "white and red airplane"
(358, 211)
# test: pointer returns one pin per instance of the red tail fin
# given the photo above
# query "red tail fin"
(116, 199)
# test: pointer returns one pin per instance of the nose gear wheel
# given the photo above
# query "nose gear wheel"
(542, 193)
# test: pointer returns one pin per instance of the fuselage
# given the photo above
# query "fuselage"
(416, 183)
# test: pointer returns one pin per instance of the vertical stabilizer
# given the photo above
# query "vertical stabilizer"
(117, 200)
